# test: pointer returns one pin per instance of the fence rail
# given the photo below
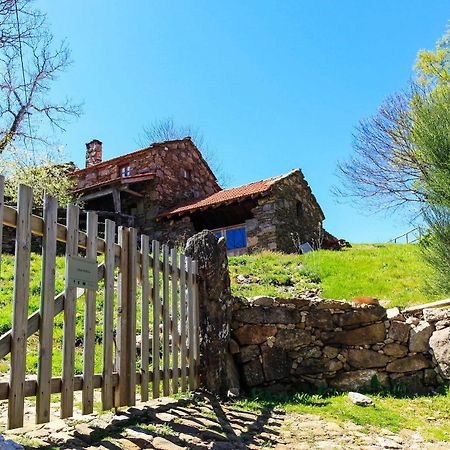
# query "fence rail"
(149, 278)
(410, 237)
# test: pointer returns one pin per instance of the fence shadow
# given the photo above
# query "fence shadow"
(199, 422)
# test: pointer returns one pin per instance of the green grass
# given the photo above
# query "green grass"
(430, 415)
(6, 294)
(393, 273)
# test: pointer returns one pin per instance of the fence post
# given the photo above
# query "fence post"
(20, 308)
(108, 316)
(46, 310)
(70, 311)
(216, 366)
(122, 389)
(89, 320)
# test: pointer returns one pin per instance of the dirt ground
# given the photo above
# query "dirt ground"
(202, 422)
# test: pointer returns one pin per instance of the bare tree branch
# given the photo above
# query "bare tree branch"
(166, 129)
(25, 105)
(385, 170)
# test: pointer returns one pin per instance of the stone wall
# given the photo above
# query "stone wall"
(310, 344)
(290, 213)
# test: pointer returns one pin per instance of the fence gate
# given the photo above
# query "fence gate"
(134, 317)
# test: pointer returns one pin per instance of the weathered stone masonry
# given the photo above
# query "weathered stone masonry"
(302, 344)
(289, 213)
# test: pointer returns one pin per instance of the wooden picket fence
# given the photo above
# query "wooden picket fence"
(162, 283)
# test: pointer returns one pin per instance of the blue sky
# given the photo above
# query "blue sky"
(272, 84)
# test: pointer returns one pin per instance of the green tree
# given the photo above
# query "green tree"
(45, 173)
(431, 137)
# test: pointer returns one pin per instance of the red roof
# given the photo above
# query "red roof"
(223, 197)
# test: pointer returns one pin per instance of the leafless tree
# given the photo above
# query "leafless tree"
(31, 22)
(385, 170)
(166, 129)
(30, 61)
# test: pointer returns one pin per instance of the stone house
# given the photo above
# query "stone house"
(168, 191)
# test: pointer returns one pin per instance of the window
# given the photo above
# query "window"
(125, 171)
(235, 237)
(187, 174)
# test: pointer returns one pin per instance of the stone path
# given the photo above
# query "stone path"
(205, 423)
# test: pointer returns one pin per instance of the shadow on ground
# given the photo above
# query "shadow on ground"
(201, 422)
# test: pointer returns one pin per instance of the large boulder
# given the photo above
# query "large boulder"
(440, 346)
(215, 303)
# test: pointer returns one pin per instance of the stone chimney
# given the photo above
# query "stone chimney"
(93, 152)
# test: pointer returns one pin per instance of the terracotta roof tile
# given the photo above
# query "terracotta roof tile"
(224, 196)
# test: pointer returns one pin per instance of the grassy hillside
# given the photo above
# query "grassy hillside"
(393, 273)
(6, 292)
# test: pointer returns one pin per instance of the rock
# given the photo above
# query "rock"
(371, 334)
(253, 373)
(361, 316)
(440, 346)
(419, 337)
(358, 380)
(408, 364)
(254, 334)
(429, 377)
(399, 331)
(442, 324)
(384, 442)
(330, 352)
(396, 350)
(312, 366)
(215, 310)
(320, 318)
(161, 443)
(233, 393)
(275, 364)
(234, 347)
(394, 314)
(412, 383)
(435, 315)
(271, 315)
(332, 304)
(248, 353)
(359, 399)
(366, 359)
(262, 301)
(291, 339)
(412, 320)
(310, 352)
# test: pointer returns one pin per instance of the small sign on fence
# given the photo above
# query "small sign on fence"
(82, 272)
